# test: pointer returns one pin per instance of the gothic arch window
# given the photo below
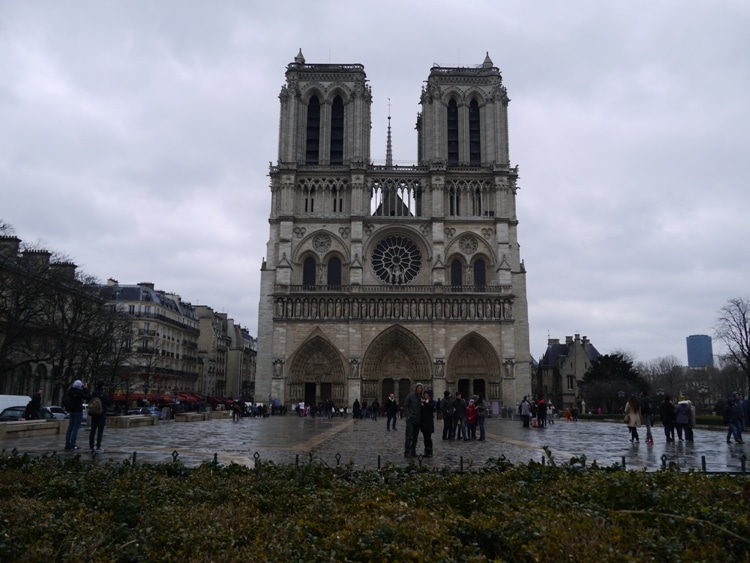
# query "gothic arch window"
(480, 275)
(334, 272)
(457, 274)
(310, 199)
(475, 148)
(452, 131)
(308, 272)
(313, 131)
(476, 202)
(337, 131)
(454, 200)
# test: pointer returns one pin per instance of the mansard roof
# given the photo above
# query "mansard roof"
(558, 352)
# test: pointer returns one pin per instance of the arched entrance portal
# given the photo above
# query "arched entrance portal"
(474, 368)
(393, 363)
(317, 374)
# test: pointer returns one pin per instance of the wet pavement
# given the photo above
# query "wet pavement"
(365, 444)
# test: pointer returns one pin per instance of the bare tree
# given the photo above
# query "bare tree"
(733, 330)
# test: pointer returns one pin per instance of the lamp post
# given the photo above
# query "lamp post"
(703, 391)
(660, 393)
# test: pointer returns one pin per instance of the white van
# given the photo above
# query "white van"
(13, 401)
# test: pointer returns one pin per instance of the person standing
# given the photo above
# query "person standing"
(356, 410)
(413, 413)
(682, 419)
(391, 411)
(459, 417)
(427, 422)
(666, 413)
(76, 396)
(97, 420)
(647, 414)
(375, 407)
(633, 417)
(483, 411)
(446, 409)
(34, 406)
(471, 419)
(732, 416)
(541, 414)
(525, 410)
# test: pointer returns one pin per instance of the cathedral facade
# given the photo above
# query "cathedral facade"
(378, 277)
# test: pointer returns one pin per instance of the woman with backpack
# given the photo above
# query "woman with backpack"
(98, 405)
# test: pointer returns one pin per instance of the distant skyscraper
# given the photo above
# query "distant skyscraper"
(700, 351)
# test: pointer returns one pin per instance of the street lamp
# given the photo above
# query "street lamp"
(660, 393)
(703, 391)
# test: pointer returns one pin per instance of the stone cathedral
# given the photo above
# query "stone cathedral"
(377, 277)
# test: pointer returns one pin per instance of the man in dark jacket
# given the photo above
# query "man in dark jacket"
(77, 395)
(666, 412)
(427, 423)
(413, 413)
(97, 421)
(446, 409)
(732, 416)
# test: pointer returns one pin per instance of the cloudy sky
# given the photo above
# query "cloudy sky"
(135, 139)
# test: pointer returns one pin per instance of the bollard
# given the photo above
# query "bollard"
(378, 463)
(135, 454)
(461, 465)
(743, 459)
(216, 459)
(297, 460)
(543, 461)
(338, 459)
(703, 463)
(663, 461)
(623, 462)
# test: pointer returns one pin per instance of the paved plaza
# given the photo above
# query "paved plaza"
(367, 444)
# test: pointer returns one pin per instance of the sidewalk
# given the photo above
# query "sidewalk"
(367, 444)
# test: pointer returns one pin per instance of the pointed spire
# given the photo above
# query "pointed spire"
(488, 61)
(300, 58)
(388, 146)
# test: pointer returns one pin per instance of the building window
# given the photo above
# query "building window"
(310, 200)
(337, 131)
(396, 260)
(480, 275)
(334, 272)
(457, 275)
(475, 149)
(571, 382)
(313, 131)
(452, 132)
(454, 200)
(476, 202)
(308, 272)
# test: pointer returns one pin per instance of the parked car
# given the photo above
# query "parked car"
(56, 411)
(17, 413)
(13, 413)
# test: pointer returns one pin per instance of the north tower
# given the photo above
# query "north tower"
(380, 276)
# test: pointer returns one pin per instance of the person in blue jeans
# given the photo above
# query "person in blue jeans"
(77, 395)
(732, 416)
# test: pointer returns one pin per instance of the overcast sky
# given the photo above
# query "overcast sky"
(135, 138)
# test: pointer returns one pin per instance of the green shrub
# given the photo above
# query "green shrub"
(70, 510)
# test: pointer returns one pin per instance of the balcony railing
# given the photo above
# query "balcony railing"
(406, 288)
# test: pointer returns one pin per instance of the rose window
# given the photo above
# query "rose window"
(396, 260)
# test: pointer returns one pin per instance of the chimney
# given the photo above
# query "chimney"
(38, 259)
(568, 340)
(66, 270)
(147, 285)
(9, 246)
(553, 341)
(112, 282)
